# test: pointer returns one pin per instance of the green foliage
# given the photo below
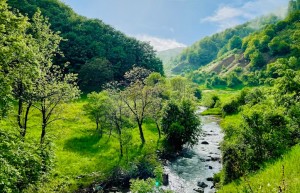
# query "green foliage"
(256, 60)
(91, 40)
(95, 74)
(235, 42)
(180, 125)
(208, 49)
(22, 164)
(275, 176)
(97, 107)
(230, 108)
(142, 186)
(278, 46)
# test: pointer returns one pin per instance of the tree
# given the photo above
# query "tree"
(16, 52)
(235, 42)
(180, 125)
(95, 73)
(97, 108)
(52, 89)
(117, 118)
(45, 45)
(138, 99)
(278, 46)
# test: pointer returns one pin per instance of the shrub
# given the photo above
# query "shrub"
(22, 164)
(180, 125)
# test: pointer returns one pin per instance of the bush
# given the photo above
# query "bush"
(230, 108)
(22, 164)
(180, 125)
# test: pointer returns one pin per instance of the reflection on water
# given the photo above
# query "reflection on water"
(200, 162)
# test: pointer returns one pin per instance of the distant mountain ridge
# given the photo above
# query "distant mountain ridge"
(167, 56)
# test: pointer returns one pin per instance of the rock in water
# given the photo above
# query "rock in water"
(202, 185)
(165, 179)
(210, 179)
(200, 190)
(204, 143)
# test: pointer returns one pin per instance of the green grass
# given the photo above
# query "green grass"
(212, 111)
(81, 156)
(271, 177)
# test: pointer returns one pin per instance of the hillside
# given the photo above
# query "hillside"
(210, 48)
(251, 63)
(95, 50)
(167, 56)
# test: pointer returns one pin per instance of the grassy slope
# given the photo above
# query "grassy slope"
(81, 156)
(271, 177)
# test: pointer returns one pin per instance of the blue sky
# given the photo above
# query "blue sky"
(173, 23)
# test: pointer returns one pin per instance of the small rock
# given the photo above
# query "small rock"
(210, 167)
(204, 143)
(202, 185)
(215, 159)
(212, 187)
(165, 179)
(200, 190)
(210, 179)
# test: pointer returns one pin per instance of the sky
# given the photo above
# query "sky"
(168, 24)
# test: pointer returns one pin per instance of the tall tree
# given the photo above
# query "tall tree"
(138, 98)
(45, 45)
(52, 89)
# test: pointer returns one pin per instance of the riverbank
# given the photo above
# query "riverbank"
(195, 167)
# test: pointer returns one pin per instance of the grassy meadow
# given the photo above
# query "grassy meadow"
(81, 155)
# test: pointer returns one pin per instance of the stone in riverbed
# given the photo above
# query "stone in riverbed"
(204, 143)
(215, 159)
(210, 167)
(202, 184)
(210, 179)
(200, 190)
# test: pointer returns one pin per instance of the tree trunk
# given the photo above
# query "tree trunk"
(121, 148)
(141, 133)
(120, 142)
(20, 112)
(158, 129)
(44, 124)
(43, 135)
(26, 120)
(97, 127)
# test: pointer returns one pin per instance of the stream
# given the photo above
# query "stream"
(198, 163)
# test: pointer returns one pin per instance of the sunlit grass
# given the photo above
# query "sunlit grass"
(81, 155)
(283, 174)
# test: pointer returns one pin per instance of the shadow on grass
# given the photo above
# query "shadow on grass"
(89, 144)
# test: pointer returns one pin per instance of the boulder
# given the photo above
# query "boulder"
(204, 143)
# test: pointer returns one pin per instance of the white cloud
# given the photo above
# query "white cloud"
(228, 16)
(160, 44)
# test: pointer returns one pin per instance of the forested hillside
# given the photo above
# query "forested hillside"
(255, 59)
(209, 48)
(95, 50)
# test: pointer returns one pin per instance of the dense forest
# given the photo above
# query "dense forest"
(94, 50)
(85, 108)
